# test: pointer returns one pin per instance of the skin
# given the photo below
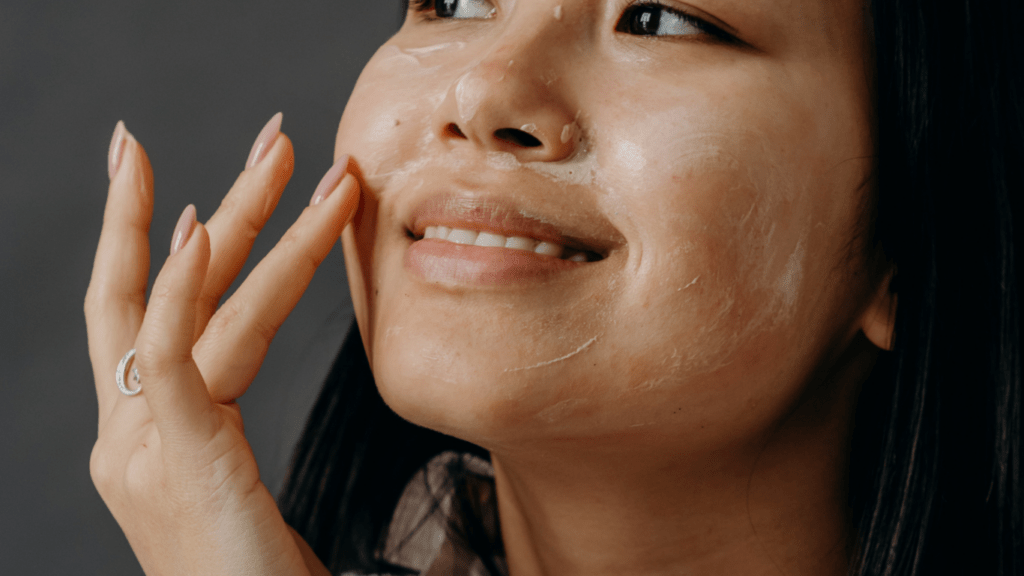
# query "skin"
(679, 405)
(683, 404)
(172, 463)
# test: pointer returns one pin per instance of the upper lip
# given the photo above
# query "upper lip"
(560, 219)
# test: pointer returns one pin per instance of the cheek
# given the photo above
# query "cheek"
(385, 126)
(387, 118)
(718, 225)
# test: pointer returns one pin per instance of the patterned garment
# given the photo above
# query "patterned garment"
(418, 536)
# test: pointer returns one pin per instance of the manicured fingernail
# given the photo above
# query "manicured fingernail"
(265, 141)
(183, 230)
(116, 151)
(330, 180)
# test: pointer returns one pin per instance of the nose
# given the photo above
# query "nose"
(510, 101)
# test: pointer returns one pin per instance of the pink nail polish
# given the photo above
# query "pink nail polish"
(116, 151)
(265, 141)
(183, 231)
(330, 180)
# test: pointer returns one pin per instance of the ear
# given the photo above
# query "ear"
(879, 317)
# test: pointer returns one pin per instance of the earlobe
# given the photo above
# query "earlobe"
(879, 317)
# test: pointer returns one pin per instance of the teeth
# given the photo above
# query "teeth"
(520, 243)
(549, 249)
(492, 240)
(459, 236)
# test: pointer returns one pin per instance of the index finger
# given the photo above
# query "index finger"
(115, 301)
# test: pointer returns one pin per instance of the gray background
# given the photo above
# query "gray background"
(194, 81)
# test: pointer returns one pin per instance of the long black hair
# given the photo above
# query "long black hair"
(935, 469)
(936, 466)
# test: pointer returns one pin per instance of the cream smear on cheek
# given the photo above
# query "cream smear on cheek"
(728, 306)
(469, 91)
(720, 230)
(391, 165)
(624, 163)
(392, 151)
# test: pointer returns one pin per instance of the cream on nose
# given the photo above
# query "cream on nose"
(470, 92)
(506, 100)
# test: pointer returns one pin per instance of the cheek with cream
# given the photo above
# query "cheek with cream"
(723, 234)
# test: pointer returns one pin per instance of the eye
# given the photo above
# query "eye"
(456, 9)
(651, 19)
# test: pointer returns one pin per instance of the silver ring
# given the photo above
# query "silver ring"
(119, 375)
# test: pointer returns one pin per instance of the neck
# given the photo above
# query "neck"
(641, 507)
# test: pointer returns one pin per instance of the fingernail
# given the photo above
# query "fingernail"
(330, 180)
(116, 151)
(264, 141)
(183, 230)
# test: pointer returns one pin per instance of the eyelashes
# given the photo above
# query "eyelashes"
(647, 18)
(638, 18)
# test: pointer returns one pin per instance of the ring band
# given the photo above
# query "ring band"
(119, 375)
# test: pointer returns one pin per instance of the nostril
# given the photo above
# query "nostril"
(517, 137)
(453, 129)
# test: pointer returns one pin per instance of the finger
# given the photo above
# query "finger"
(235, 342)
(115, 301)
(172, 384)
(243, 213)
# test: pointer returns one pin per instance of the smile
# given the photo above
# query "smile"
(470, 239)
(486, 239)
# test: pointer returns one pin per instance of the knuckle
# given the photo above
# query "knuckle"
(163, 291)
(292, 238)
(226, 316)
(236, 314)
(264, 330)
(102, 297)
(97, 297)
(102, 467)
(313, 260)
(303, 253)
(90, 306)
(245, 213)
(155, 358)
(139, 478)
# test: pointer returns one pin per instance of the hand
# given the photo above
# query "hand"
(172, 463)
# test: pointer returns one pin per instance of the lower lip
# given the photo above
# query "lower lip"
(453, 264)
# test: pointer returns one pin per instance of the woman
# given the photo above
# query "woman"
(643, 261)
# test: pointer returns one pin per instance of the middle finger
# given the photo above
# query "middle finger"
(232, 348)
(242, 214)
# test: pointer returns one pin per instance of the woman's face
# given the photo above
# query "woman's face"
(655, 213)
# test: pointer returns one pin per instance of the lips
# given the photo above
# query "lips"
(471, 239)
(488, 239)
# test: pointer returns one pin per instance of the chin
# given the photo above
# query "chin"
(470, 390)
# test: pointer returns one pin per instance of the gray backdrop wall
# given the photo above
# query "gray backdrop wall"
(194, 80)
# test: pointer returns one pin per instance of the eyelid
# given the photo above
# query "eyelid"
(686, 10)
(702, 15)
(421, 7)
